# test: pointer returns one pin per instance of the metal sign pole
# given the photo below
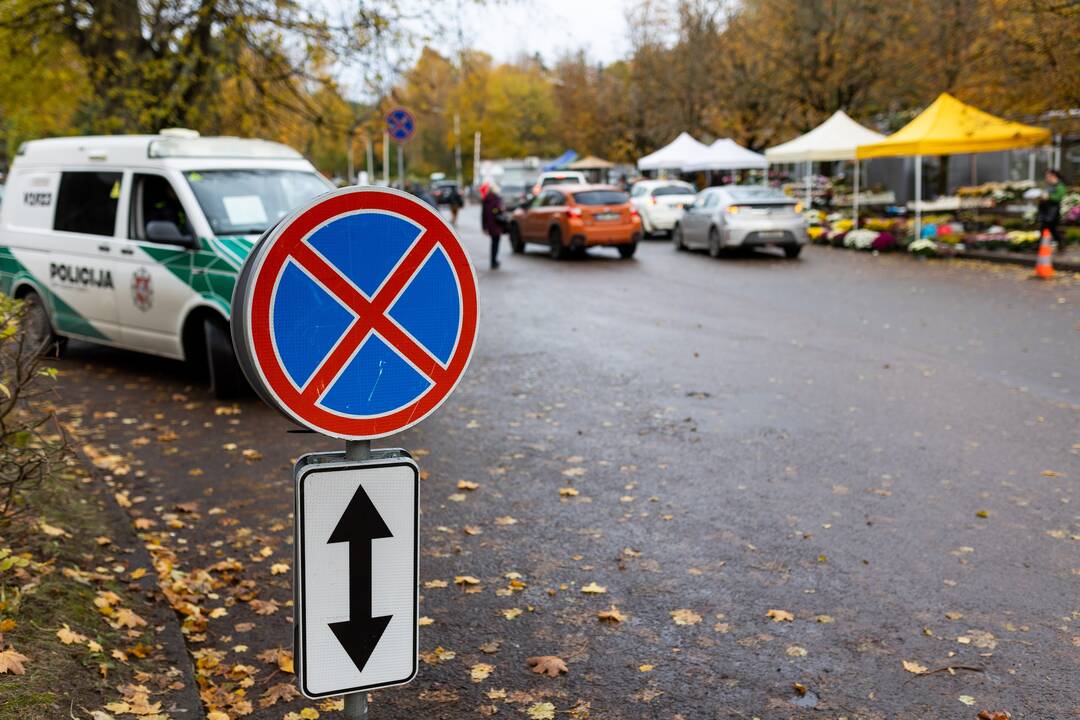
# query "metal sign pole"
(401, 166)
(386, 158)
(356, 707)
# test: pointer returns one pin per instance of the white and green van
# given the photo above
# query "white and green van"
(136, 241)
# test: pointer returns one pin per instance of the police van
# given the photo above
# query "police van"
(136, 241)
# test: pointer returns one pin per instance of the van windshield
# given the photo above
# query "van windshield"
(246, 202)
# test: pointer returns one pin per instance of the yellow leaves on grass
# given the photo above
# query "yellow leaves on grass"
(684, 616)
(11, 661)
(550, 665)
(780, 616)
(68, 636)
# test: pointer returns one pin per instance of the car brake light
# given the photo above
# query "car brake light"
(573, 212)
(733, 209)
(633, 210)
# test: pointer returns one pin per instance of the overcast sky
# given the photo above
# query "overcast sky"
(508, 28)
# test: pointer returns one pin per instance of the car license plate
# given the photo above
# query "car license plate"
(771, 234)
(606, 217)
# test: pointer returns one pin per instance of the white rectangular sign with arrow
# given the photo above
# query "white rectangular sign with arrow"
(356, 572)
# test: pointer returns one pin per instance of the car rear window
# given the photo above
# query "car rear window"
(672, 190)
(750, 194)
(601, 197)
(560, 180)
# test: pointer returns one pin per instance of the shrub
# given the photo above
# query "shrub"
(31, 442)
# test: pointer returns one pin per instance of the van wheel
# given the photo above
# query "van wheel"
(226, 377)
(39, 331)
(557, 250)
(517, 244)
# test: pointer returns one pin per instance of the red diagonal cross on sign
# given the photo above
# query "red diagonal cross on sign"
(371, 315)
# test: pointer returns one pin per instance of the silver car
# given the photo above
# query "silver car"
(742, 216)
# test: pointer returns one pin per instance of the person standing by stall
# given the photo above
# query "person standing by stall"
(491, 218)
(456, 202)
(1049, 213)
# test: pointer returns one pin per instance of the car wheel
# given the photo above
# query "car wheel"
(792, 251)
(557, 249)
(627, 251)
(714, 242)
(517, 243)
(39, 331)
(226, 377)
(677, 236)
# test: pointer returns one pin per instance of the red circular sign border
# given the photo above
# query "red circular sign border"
(277, 252)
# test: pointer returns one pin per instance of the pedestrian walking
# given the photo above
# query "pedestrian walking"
(1049, 213)
(456, 202)
(491, 218)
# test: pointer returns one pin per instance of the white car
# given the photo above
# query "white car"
(660, 203)
(558, 177)
(136, 241)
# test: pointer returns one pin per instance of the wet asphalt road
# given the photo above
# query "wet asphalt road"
(886, 449)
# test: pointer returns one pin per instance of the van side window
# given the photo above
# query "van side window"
(153, 199)
(87, 201)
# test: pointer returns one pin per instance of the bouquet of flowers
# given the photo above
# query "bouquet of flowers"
(861, 239)
(923, 247)
(1070, 208)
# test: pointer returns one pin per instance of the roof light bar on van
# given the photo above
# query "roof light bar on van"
(174, 146)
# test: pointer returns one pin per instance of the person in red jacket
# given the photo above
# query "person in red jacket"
(491, 218)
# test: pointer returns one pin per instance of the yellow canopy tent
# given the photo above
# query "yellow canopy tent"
(950, 127)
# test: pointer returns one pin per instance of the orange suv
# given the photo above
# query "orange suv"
(570, 218)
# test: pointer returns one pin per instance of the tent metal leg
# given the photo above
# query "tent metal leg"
(855, 220)
(918, 196)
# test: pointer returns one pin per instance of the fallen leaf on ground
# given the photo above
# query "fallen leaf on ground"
(11, 661)
(52, 530)
(511, 613)
(505, 520)
(68, 636)
(466, 580)
(549, 665)
(282, 691)
(436, 584)
(796, 651)
(683, 616)
(542, 711)
(966, 699)
(913, 667)
(264, 607)
(568, 492)
(613, 615)
(467, 485)
(279, 568)
(480, 672)
(780, 615)
(594, 589)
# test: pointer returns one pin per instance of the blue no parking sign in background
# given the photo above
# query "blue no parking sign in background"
(400, 124)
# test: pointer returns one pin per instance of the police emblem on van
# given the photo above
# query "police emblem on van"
(142, 292)
(77, 275)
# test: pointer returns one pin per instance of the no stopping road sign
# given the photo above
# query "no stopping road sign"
(356, 315)
(401, 124)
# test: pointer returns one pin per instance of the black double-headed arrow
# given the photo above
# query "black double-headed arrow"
(358, 526)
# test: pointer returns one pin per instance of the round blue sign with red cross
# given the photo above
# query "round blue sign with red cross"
(400, 124)
(356, 316)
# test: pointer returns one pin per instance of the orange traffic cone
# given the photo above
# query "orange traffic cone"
(1044, 267)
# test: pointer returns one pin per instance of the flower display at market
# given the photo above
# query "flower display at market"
(883, 242)
(842, 225)
(923, 247)
(1020, 238)
(1070, 208)
(861, 239)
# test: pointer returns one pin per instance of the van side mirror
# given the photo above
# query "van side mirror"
(166, 231)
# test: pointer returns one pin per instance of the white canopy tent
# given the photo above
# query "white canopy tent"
(726, 154)
(834, 139)
(674, 155)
